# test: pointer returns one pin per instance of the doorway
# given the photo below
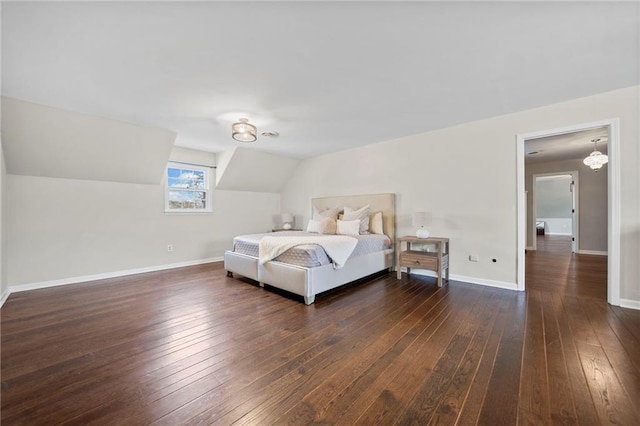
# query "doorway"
(555, 207)
(611, 128)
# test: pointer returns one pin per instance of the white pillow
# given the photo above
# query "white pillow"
(362, 214)
(324, 226)
(376, 223)
(348, 227)
(322, 214)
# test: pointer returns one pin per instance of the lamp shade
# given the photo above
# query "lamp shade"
(287, 220)
(243, 131)
(420, 220)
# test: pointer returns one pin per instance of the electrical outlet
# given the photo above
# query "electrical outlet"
(169, 247)
(474, 258)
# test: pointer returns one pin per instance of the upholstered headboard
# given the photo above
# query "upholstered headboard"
(385, 203)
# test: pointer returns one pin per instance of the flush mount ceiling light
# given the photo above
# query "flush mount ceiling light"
(596, 159)
(243, 131)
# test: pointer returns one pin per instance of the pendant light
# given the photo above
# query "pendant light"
(596, 159)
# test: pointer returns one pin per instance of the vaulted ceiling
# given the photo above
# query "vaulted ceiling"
(326, 75)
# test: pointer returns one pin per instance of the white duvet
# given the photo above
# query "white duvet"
(338, 247)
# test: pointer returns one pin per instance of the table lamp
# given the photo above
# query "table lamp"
(420, 220)
(287, 220)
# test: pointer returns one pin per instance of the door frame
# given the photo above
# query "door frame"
(613, 201)
(574, 216)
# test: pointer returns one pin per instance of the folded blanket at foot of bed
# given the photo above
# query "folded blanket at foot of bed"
(338, 247)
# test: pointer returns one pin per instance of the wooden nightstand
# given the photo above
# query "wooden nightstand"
(436, 261)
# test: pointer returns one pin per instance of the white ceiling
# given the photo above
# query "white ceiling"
(326, 75)
(567, 146)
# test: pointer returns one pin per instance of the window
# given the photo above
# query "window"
(187, 189)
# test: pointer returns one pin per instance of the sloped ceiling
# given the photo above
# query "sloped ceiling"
(44, 141)
(327, 75)
(243, 169)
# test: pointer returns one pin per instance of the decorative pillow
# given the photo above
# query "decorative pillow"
(362, 214)
(324, 226)
(375, 224)
(348, 227)
(322, 214)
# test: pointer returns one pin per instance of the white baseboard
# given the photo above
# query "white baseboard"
(631, 304)
(115, 274)
(471, 280)
(530, 248)
(4, 297)
(594, 252)
(558, 233)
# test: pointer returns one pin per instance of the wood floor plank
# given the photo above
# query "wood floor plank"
(472, 405)
(359, 341)
(533, 399)
(585, 409)
(190, 345)
(416, 365)
(452, 399)
(325, 401)
(500, 405)
(620, 348)
(257, 359)
(610, 399)
(425, 401)
(372, 381)
(561, 402)
(289, 374)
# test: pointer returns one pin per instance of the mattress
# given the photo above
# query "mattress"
(308, 255)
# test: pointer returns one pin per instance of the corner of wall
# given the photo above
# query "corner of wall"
(4, 287)
(223, 160)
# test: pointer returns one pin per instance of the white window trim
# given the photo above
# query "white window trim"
(207, 188)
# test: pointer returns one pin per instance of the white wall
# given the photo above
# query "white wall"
(4, 286)
(592, 199)
(66, 228)
(466, 177)
(555, 226)
(553, 196)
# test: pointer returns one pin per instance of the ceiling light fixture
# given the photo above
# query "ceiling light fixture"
(243, 131)
(596, 159)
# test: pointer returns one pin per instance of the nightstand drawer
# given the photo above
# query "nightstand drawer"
(419, 259)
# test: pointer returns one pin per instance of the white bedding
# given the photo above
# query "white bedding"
(338, 247)
(307, 255)
(372, 254)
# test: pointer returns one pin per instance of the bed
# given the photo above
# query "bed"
(307, 270)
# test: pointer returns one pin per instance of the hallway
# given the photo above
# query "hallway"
(554, 268)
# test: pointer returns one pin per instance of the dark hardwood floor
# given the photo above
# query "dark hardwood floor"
(553, 267)
(191, 346)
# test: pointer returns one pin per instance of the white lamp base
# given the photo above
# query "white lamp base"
(286, 226)
(422, 233)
